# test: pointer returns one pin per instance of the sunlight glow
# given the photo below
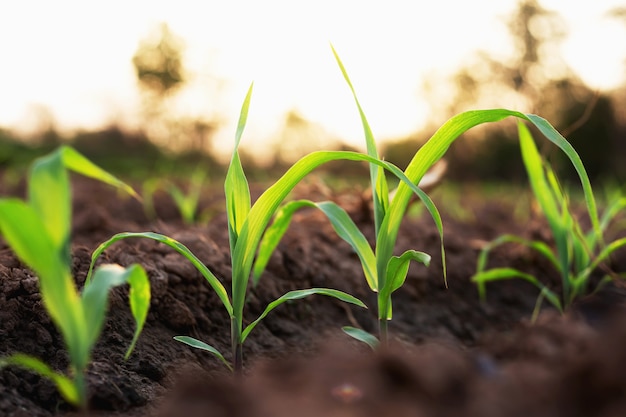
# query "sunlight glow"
(74, 58)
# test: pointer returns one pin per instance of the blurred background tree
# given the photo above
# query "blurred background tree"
(534, 78)
(531, 76)
(159, 66)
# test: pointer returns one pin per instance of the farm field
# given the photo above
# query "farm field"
(396, 296)
(449, 353)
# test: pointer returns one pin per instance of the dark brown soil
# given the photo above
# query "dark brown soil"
(451, 355)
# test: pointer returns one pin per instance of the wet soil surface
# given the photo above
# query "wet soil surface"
(450, 355)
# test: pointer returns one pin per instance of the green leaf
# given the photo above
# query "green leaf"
(499, 274)
(606, 253)
(396, 275)
(96, 293)
(539, 246)
(139, 298)
(76, 162)
(187, 204)
(178, 247)
(195, 343)
(399, 266)
(362, 336)
(23, 230)
(65, 385)
(349, 232)
(545, 196)
(380, 194)
(381, 197)
(50, 197)
(297, 294)
(236, 186)
(555, 137)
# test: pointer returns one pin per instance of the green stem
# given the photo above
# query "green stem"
(383, 332)
(237, 347)
(81, 387)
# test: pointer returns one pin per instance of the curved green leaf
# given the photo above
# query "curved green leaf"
(555, 137)
(380, 191)
(500, 274)
(139, 298)
(195, 343)
(24, 231)
(75, 161)
(95, 298)
(297, 294)
(65, 385)
(606, 253)
(537, 245)
(178, 247)
(362, 336)
(397, 270)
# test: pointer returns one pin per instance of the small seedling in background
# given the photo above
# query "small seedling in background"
(38, 231)
(576, 254)
(148, 190)
(186, 201)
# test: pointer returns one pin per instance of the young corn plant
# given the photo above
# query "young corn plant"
(38, 231)
(575, 255)
(186, 202)
(246, 225)
(384, 271)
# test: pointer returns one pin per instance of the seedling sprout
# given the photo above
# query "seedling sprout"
(38, 231)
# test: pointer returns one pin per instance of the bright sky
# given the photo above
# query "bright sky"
(74, 57)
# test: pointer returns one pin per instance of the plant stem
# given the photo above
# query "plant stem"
(81, 387)
(237, 348)
(383, 331)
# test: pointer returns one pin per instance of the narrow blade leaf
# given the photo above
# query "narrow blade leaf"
(236, 186)
(178, 247)
(75, 161)
(297, 294)
(362, 336)
(499, 274)
(65, 385)
(95, 297)
(195, 343)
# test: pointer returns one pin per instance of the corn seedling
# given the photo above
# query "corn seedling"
(246, 226)
(148, 190)
(386, 272)
(575, 255)
(187, 203)
(38, 231)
